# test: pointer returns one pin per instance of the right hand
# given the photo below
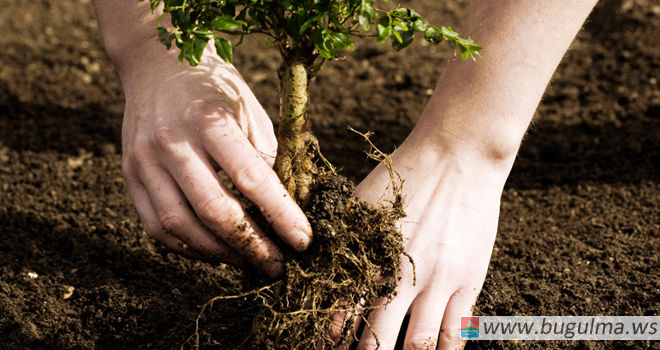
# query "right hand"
(451, 199)
(181, 124)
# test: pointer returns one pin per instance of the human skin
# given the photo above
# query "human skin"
(457, 159)
(455, 162)
(181, 124)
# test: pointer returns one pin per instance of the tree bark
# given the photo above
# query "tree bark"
(297, 146)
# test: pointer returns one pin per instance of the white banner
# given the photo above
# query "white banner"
(560, 328)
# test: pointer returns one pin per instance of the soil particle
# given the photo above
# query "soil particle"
(582, 196)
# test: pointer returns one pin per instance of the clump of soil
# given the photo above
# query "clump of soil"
(354, 258)
(579, 229)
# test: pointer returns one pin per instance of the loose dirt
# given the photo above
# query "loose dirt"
(580, 222)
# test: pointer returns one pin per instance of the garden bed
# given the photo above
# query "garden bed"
(579, 231)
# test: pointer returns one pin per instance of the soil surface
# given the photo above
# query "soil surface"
(579, 230)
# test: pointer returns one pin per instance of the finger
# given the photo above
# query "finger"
(383, 325)
(175, 218)
(425, 319)
(460, 305)
(260, 131)
(149, 219)
(219, 210)
(339, 323)
(351, 337)
(257, 181)
(250, 115)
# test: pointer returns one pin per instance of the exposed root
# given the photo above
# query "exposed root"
(379, 156)
(395, 179)
(355, 256)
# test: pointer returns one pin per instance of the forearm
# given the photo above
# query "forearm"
(483, 108)
(127, 26)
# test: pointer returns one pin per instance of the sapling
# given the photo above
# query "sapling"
(356, 250)
(307, 33)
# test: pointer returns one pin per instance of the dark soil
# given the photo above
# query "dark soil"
(580, 222)
(355, 254)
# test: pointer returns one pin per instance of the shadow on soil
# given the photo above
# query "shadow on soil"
(39, 128)
(108, 279)
(552, 154)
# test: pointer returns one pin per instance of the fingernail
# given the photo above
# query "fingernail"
(299, 233)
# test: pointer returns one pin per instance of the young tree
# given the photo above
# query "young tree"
(356, 258)
(307, 33)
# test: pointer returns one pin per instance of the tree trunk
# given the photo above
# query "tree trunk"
(297, 146)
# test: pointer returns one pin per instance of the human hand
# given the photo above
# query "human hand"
(457, 159)
(452, 204)
(181, 124)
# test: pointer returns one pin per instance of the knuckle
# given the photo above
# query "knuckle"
(153, 230)
(369, 345)
(164, 138)
(205, 114)
(197, 109)
(427, 343)
(268, 147)
(269, 155)
(200, 110)
(212, 209)
(126, 170)
(250, 180)
(336, 327)
(459, 293)
(452, 338)
(171, 221)
(139, 154)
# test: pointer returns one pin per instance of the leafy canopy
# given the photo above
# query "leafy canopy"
(313, 28)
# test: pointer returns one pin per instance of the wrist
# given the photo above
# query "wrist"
(423, 164)
(434, 142)
(129, 31)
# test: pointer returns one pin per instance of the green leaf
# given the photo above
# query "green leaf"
(383, 29)
(467, 47)
(153, 4)
(329, 24)
(449, 34)
(322, 5)
(322, 45)
(178, 37)
(365, 20)
(192, 50)
(420, 26)
(202, 34)
(433, 35)
(341, 41)
(181, 19)
(165, 37)
(401, 13)
(399, 25)
(406, 14)
(406, 38)
(414, 16)
(464, 53)
(308, 24)
(224, 49)
(286, 4)
(225, 22)
(366, 14)
(397, 36)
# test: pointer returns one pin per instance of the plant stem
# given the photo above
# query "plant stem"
(297, 146)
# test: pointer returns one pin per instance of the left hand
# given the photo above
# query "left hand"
(452, 203)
